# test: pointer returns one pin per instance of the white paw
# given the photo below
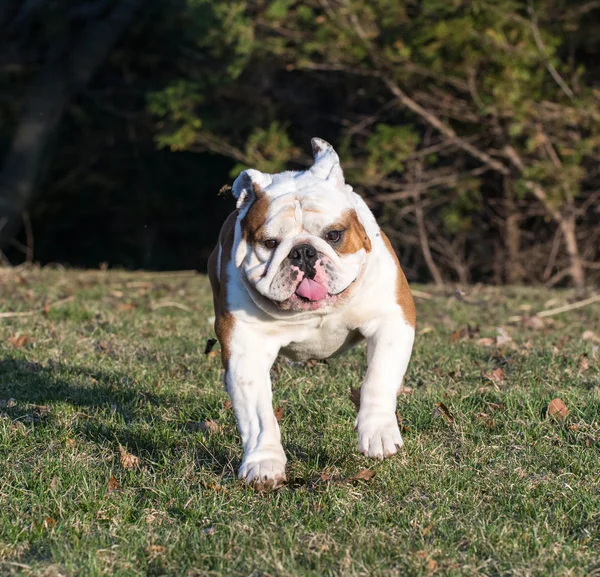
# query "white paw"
(378, 435)
(263, 469)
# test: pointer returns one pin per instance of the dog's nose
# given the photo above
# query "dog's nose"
(303, 254)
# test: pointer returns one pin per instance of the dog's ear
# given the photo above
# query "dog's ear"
(248, 186)
(327, 163)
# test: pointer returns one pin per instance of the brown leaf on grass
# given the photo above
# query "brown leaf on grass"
(432, 566)
(122, 307)
(485, 342)
(19, 340)
(495, 376)
(557, 409)
(210, 426)
(113, 484)
(441, 410)
(404, 391)
(354, 396)
(49, 522)
(363, 475)
(590, 336)
(584, 365)
(325, 477)
(153, 551)
(403, 428)
(279, 411)
(228, 406)
(534, 323)
(503, 339)
(467, 332)
(128, 461)
(496, 406)
(46, 309)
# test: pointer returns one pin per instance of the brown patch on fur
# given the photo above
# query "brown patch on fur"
(224, 320)
(403, 294)
(255, 218)
(355, 237)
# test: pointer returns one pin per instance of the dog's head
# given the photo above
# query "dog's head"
(301, 240)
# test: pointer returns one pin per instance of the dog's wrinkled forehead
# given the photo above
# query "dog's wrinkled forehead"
(317, 194)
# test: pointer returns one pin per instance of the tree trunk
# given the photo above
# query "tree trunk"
(512, 236)
(67, 70)
(567, 226)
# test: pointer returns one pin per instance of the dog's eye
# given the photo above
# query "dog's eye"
(334, 235)
(271, 243)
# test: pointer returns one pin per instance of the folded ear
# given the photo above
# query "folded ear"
(327, 162)
(248, 185)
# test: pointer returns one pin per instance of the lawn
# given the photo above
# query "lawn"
(119, 451)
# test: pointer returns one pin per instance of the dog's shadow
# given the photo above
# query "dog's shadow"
(30, 391)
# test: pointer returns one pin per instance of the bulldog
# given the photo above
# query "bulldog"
(302, 269)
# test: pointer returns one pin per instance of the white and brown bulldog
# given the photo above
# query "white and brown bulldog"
(302, 269)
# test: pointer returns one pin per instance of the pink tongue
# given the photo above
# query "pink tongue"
(311, 290)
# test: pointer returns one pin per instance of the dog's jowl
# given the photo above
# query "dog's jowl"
(302, 269)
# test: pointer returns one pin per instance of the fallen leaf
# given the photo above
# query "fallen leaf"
(210, 426)
(279, 413)
(363, 475)
(534, 323)
(495, 376)
(403, 428)
(46, 309)
(441, 410)
(432, 565)
(496, 406)
(404, 391)
(54, 483)
(49, 522)
(467, 332)
(590, 336)
(584, 365)
(325, 477)
(228, 406)
(485, 342)
(557, 409)
(19, 340)
(128, 461)
(122, 307)
(113, 484)
(154, 551)
(354, 395)
(503, 339)
(482, 416)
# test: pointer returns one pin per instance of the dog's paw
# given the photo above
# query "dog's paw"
(378, 435)
(263, 469)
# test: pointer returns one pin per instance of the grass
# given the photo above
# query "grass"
(117, 371)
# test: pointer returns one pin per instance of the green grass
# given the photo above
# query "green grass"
(513, 493)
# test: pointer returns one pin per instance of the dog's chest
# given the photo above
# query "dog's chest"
(321, 342)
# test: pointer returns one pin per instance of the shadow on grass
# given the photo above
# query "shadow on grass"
(115, 409)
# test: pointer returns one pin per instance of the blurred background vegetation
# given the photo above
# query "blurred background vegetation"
(471, 128)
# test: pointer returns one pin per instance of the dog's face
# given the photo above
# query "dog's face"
(301, 242)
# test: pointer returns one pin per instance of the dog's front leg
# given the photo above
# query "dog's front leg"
(389, 346)
(249, 386)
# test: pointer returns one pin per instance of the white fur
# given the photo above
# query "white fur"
(261, 332)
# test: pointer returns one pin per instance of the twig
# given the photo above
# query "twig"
(572, 306)
(542, 48)
(10, 314)
(421, 295)
(172, 304)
